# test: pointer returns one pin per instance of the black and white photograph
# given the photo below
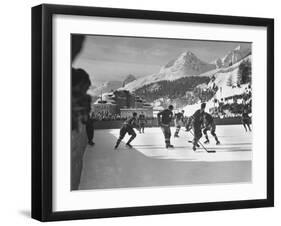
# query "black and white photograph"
(160, 112)
(143, 112)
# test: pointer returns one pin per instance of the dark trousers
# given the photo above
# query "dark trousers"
(167, 133)
(212, 128)
(142, 127)
(246, 123)
(197, 133)
(123, 131)
(90, 132)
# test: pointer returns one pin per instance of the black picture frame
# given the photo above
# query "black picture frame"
(42, 107)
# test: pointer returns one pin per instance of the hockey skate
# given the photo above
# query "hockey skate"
(91, 143)
(129, 145)
(169, 146)
(218, 142)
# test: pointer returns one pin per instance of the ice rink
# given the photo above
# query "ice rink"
(149, 163)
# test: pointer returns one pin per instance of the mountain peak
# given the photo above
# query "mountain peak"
(188, 54)
(186, 64)
(129, 76)
(235, 55)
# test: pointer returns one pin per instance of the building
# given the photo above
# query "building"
(122, 102)
(105, 105)
(124, 99)
(104, 108)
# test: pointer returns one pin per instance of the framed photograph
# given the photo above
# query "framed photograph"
(145, 112)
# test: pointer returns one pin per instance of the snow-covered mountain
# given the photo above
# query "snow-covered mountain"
(221, 80)
(187, 64)
(235, 55)
(105, 87)
(110, 85)
(179, 80)
(218, 63)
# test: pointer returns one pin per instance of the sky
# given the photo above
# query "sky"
(112, 58)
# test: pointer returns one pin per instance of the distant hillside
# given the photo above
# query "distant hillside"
(105, 87)
(235, 56)
(110, 86)
(128, 79)
(176, 89)
(225, 83)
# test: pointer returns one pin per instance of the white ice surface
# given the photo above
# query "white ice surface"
(149, 163)
(235, 145)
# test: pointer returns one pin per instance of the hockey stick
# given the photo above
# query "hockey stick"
(209, 151)
(190, 141)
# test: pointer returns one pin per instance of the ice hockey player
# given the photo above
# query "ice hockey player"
(164, 119)
(246, 120)
(179, 122)
(197, 122)
(142, 121)
(209, 124)
(128, 128)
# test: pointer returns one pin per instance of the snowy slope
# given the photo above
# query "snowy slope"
(110, 85)
(221, 79)
(128, 79)
(235, 55)
(105, 87)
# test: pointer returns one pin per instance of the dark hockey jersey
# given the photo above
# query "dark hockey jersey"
(245, 115)
(132, 121)
(208, 118)
(142, 118)
(197, 117)
(179, 116)
(165, 116)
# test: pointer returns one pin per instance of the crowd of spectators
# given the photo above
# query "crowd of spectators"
(233, 106)
(106, 116)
